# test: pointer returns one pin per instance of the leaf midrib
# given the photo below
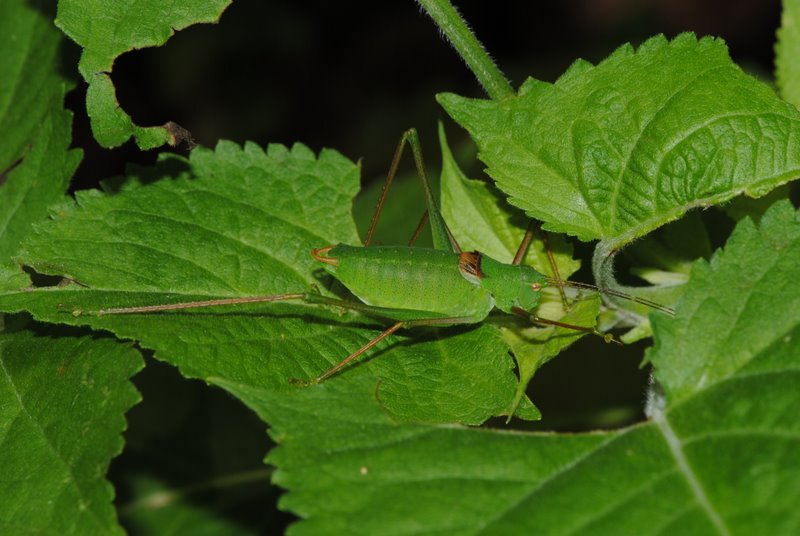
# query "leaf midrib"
(675, 446)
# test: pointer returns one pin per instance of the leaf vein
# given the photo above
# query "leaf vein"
(676, 448)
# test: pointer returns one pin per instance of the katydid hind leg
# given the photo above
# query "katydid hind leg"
(373, 223)
(418, 231)
(335, 369)
(442, 237)
(310, 298)
(347, 360)
(198, 304)
(305, 297)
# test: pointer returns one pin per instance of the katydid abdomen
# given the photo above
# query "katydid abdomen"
(416, 279)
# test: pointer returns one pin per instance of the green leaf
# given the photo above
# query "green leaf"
(747, 207)
(244, 225)
(40, 179)
(107, 29)
(481, 220)
(787, 52)
(62, 401)
(716, 457)
(615, 150)
(720, 334)
(29, 77)
(35, 166)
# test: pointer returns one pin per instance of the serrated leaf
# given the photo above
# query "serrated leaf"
(787, 53)
(720, 459)
(107, 29)
(244, 226)
(481, 220)
(615, 150)
(717, 335)
(62, 406)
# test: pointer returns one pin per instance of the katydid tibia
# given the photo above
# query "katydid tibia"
(413, 286)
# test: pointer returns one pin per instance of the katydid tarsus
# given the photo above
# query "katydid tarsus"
(412, 286)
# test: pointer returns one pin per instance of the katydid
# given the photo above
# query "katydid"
(412, 286)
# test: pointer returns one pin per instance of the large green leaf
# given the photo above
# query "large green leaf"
(615, 150)
(35, 166)
(107, 29)
(29, 77)
(716, 457)
(244, 226)
(62, 401)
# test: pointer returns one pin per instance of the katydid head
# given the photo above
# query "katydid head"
(512, 286)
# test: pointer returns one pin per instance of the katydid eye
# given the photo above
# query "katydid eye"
(536, 287)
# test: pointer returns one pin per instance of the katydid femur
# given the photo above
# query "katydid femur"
(413, 286)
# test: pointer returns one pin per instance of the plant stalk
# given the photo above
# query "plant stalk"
(455, 29)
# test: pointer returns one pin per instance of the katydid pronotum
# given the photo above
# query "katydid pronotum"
(412, 286)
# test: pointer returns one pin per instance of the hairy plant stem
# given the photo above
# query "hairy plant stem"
(603, 272)
(468, 47)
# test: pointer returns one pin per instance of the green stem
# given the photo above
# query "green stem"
(603, 265)
(603, 271)
(468, 47)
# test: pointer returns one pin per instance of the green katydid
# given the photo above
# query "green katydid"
(413, 286)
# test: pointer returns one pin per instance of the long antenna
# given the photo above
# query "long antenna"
(611, 292)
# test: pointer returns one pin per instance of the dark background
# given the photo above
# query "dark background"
(355, 78)
(352, 77)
